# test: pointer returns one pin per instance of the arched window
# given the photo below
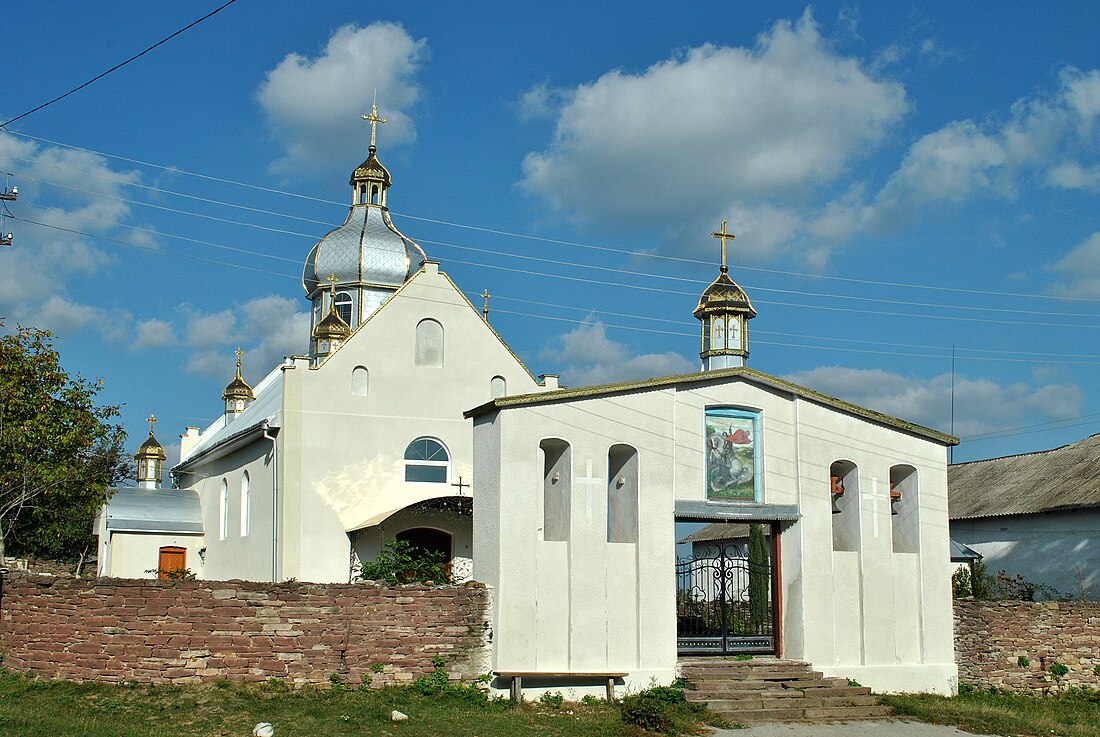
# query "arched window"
(556, 485)
(245, 504)
(223, 511)
(429, 344)
(374, 195)
(498, 387)
(362, 194)
(343, 306)
(904, 509)
(844, 492)
(360, 381)
(622, 494)
(426, 462)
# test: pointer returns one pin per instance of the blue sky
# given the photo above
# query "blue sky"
(901, 181)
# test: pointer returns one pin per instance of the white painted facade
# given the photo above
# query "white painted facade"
(586, 604)
(327, 470)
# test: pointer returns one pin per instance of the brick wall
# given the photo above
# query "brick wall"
(991, 636)
(189, 631)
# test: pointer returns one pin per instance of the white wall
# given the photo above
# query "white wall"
(137, 554)
(1059, 549)
(587, 604)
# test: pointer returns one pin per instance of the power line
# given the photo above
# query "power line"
(663, 277)
(116, 67)
(576, 244)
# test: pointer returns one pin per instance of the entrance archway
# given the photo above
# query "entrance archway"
(427, 539)
(728, 589)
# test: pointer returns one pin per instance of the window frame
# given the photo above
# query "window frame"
(429, 462)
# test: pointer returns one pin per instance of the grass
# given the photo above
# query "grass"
(1073, 713)
(36, 708)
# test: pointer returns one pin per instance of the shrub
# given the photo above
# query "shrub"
(1058, 669)
(642, 710)
(553, 700)
(1022, 661)
(400, 562)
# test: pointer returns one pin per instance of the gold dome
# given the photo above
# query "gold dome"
(238, 388)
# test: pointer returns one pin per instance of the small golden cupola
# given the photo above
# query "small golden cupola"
(150, 460)
(332, 331)
(724, 311)
(238, 394)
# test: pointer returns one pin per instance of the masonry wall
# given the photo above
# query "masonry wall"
(991, 637)
(151, 631)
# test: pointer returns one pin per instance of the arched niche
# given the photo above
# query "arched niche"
(622, 494)
(556, 488)
(844, 492)
(904, 508)
(429, 344)
(360, 381)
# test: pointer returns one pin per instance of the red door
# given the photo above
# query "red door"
(171, 560)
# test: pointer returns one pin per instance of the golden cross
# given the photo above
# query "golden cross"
(239, 353)
(725, 237)
(152, 421)
(485, 307)
(374, 120)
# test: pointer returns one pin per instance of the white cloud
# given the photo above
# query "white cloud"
(1071, 175)
(1079, 270)
(314, 104)
(35, 272)
(266, 329)
(712, 126)
(152, 333)
(586, 356)
(981, 405)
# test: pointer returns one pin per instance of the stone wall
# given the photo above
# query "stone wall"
(992, 636)
(189, 631)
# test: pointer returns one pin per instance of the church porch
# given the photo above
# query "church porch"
(442, 524)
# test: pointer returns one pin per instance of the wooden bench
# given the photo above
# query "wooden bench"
(517, 677)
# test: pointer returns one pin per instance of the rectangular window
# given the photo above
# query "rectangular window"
(732, 454)
(425, 474)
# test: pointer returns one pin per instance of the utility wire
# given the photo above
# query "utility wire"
(629, 272)
(116, 67)
(608, 249)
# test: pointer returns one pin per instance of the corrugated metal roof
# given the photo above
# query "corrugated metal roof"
(721, 531)
(154, 510)
(1064, 478)
(267, 405)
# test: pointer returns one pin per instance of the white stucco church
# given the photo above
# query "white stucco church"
(564, 501)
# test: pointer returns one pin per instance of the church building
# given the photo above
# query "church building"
(411, 419)
(361, 442)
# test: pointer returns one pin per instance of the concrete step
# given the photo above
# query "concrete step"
(849, 712)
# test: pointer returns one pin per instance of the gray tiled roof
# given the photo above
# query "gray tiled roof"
(1064, 478)
(366, 249)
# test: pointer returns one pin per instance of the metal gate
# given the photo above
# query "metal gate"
(724, 601)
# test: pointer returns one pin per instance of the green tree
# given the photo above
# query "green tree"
(60, 451)
(759, 578)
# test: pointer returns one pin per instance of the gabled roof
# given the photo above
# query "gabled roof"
(748, 375)
(1061, 479)
(266, 408)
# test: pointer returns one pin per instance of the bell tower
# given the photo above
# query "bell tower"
(724, 311)
(150, 459)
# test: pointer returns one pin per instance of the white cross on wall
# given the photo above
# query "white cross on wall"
(587, 481)
(872, 496)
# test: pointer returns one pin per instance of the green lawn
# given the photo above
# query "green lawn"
(1070, 714)
(34, 708)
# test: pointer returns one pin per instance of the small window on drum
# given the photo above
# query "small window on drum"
(426, 462)
(343, 306)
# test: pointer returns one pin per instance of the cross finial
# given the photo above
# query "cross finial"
(152, 421)
(725, 237)
(461, 485)
(485, 303)
(239, 353)
(374, 120)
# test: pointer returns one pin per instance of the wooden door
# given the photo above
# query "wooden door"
(172, 559)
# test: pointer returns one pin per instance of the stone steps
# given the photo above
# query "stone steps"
(770, 690)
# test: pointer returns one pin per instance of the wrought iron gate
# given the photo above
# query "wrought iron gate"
(724, 601)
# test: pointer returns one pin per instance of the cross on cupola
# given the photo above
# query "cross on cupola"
(150, 459)
(724, 311)
(374, 119)
(370, 180)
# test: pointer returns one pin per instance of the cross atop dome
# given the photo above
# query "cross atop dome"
(374, 120)
(724, 311)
